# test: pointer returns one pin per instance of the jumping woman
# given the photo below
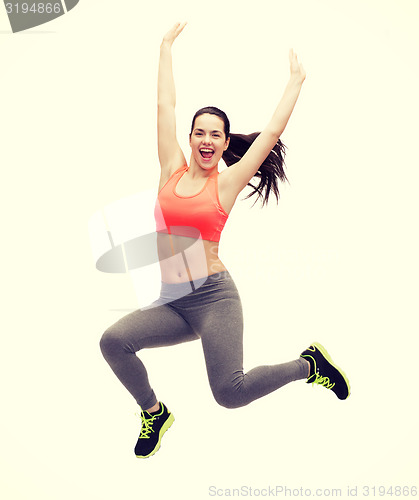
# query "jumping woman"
(198, 297)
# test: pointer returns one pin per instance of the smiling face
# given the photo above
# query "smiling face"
(208, 140)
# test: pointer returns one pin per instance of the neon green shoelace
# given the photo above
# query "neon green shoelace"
(147, 426)
(324, 381)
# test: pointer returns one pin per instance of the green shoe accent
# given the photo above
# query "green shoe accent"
(324, 372)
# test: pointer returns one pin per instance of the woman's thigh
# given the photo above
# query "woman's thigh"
(146, 328)
(215, 313)
(221, 334)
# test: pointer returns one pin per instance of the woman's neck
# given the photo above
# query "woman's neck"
(195, 171)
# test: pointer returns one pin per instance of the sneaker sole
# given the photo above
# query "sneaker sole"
(330, 360)
(164, 428)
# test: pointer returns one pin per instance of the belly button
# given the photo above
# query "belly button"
(179, 274)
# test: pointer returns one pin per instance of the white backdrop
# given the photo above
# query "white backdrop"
(335, 261)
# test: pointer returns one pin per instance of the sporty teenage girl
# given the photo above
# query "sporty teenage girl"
(199, 299)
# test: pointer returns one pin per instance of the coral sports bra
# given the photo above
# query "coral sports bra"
(199, 216)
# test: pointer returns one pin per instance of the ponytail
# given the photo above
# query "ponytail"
(269, 172)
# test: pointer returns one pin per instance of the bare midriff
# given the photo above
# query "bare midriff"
(187, 259)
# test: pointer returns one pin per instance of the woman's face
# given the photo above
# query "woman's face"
(208, 141)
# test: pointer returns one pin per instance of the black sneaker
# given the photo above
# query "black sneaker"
(154, 425)
(324, 372)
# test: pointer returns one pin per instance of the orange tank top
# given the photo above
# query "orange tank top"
(198, 216)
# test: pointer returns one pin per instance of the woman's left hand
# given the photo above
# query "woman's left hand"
(296, 68)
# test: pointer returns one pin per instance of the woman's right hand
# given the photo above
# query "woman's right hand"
(172, 34)
(297, 69)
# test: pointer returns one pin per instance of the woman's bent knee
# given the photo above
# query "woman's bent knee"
(228, 397)
(112, 343)
(107, 342)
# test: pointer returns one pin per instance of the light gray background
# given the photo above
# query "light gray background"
(336, 261)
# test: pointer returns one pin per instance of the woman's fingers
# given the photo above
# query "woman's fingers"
(293, 56)
(177, 28)
(174, 32)
(296, 67)
(181, 26)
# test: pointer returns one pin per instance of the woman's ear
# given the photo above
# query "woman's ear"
(226, 144)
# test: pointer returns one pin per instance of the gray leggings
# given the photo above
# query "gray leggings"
(211, 312)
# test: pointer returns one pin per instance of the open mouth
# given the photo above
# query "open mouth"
(206, 153)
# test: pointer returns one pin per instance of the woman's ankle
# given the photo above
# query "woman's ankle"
(154, 408)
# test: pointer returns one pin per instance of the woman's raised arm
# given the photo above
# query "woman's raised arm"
(241, 173)
(170, 153)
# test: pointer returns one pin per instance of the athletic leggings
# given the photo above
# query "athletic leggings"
(211, 312)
